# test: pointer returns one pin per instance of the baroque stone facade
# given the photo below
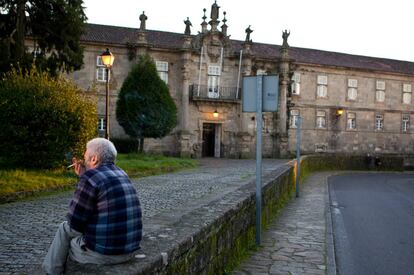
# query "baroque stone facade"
(348, 103)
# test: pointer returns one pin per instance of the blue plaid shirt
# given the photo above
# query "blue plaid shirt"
(106, 210)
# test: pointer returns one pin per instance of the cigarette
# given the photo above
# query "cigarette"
(73, 164)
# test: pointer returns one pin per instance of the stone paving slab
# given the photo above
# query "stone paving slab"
(295, 243)
(27, 228)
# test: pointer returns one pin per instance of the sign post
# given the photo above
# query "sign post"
(298, 142)
(260, 93)
(259, 127)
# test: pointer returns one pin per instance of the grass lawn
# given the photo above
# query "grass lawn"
(15, 184)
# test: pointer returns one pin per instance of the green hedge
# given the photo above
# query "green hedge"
(42, 119)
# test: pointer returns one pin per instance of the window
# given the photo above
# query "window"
(320, 119)
(352, 89)
(162, 68)
(379, 122)
(351, 121)
(380, 91)
(101, 124)
(296, 84)
(101, 75)
(405, 125)
(213, 81)
(406, 93)
(294, 117)
(214, 70)
(322, 89)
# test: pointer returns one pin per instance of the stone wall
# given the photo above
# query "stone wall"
(210, 240)
(336, 136)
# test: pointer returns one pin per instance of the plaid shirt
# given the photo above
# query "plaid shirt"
(106, 210)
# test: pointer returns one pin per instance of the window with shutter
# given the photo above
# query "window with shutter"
(100, 70)
(320, 119)
(162, 68)
(406, 96)
(351, 121)
(380, 91)
(322, 86)
(296, 84)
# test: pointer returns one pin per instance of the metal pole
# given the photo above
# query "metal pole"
(298, 142)
(221, 67)
(107, 105)
(259, 87)
(238, 75)
(199, 72)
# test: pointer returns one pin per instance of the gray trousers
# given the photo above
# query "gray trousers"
(69, 242)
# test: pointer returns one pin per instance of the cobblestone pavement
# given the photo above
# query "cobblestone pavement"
(295, 242)
(27, 228)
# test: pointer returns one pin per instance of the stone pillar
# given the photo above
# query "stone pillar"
(185, 98)
(185, 135)
(283, 90)
(246, 135)
(142, 37)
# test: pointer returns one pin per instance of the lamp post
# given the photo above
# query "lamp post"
(107, 59)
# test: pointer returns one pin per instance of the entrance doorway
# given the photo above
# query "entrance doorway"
(211, 140)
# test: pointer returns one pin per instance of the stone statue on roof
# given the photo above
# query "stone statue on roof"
(187, 26)
(285, 36)
(142, 18)
(214, 11)
(248, 32)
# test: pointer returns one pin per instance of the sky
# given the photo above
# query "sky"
(362, 27)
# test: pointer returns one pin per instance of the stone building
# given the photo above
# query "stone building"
(349, 103)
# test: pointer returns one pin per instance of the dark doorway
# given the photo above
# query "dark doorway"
(208, 139)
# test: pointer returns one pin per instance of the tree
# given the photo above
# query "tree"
(55, 27)
(145, 108)
(41, 119)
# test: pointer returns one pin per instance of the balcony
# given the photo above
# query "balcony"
(217, 93)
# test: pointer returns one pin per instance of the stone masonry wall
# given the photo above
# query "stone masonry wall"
(336, 136)
(211, 239)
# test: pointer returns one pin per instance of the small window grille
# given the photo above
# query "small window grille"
(294, 116)
(379, 122)
(405, 123)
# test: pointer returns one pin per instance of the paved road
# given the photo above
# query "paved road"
(27, 228)
(373, 223)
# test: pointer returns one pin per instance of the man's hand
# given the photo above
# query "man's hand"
(79, 166)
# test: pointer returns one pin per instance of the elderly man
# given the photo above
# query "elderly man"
(104, 223)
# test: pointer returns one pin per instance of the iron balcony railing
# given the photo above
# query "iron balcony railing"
(214, 93)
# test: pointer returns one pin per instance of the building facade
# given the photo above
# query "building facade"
(348, 103)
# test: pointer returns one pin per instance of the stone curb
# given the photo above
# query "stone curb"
(330, 246)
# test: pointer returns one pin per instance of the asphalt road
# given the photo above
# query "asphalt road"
(373, 223)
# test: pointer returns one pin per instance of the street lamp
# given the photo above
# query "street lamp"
(107, 59)
(339, 112)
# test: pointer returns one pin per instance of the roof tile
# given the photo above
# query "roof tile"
(122, 35)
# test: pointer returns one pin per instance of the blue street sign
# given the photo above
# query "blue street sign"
(270, 93)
